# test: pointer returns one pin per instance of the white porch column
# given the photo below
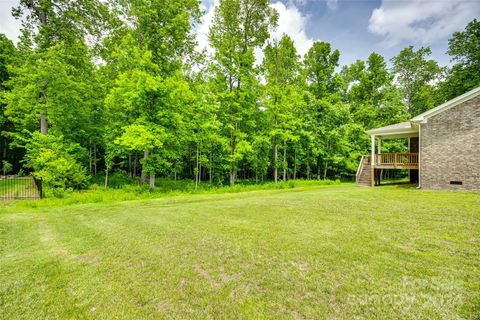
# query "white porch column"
(379, 146)
(373, 149)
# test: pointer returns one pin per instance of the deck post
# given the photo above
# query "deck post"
(373, 160)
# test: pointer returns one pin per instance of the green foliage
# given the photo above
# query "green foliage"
(417, 76)
(320, 63)
(464, 75)
(55, 161)
(239, 26)
(50, 22)
(6, 167)
(57, 83)
(122, 80)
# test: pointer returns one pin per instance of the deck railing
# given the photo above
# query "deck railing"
(396, 160)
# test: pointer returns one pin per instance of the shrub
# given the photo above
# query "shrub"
(6, 167)
(55, 162)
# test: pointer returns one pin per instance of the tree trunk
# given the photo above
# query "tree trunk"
(295, 165)
(275, 163)
(152, 181)
(90, 158)
(200, 173)
(318, 169)
(152, 177)
(210, 170)
(43, 124)
(130, 174)
(106, 178)
(232, 166)
(325, 170)
(43, 118)
(197, 170)
(5, 147)
(135, 166)
(284, 160)
(95, 158)
(143, 176)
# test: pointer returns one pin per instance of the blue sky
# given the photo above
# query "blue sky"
(355, 27)
(358, 27)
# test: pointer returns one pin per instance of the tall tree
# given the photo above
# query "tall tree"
(164, 27)
(132, 104)
(48, 23)
(417, 77)
(57, 83)
(320, 64)
(7, 53)
(464, 48)
(373, 97)
(281, 65)
(239, 26)
(374, 101)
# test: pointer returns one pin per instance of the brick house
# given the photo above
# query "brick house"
(443, 143)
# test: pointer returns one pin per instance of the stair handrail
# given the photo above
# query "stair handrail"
(359, 169)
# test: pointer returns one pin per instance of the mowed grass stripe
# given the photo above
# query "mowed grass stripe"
(315, 253)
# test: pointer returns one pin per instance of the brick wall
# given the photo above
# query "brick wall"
(450, 148)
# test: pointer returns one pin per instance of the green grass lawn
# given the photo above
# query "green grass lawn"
(335, 252)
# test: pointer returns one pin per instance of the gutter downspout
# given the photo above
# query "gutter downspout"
(372, 161)
(418, 123)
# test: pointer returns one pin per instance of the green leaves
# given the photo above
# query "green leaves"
(122, 80)
(55, 161)
(141, 137)
(320, 63)
(55, 84)
(416, 76)
(464, 75)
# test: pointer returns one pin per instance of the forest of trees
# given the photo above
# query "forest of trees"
(100, 87)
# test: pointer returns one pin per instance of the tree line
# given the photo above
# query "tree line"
(117, 86)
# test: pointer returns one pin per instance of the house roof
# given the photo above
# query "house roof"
(447, 105)
(394, 131)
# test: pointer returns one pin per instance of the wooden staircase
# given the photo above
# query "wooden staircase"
(364, 172)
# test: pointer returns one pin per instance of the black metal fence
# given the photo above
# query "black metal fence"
(20, 188)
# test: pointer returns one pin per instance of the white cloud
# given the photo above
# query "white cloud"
(421, 21)
(332, 4)
(8, 24)
(204, 27)
(291, 21)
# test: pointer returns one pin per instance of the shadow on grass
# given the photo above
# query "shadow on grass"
(399, 184)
